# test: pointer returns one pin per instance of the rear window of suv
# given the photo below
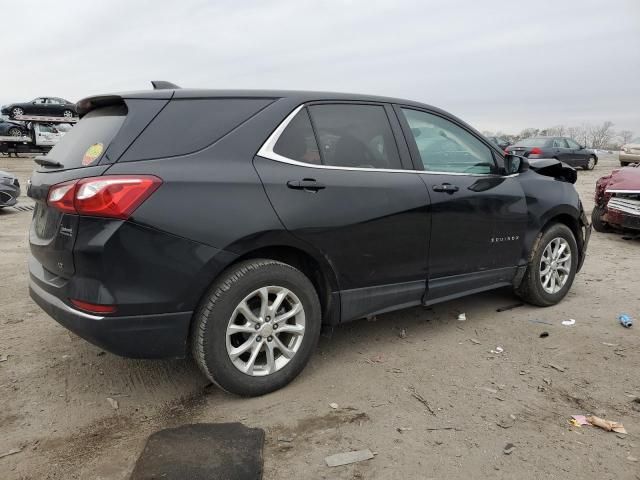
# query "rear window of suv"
(187, 125)
(98, 127)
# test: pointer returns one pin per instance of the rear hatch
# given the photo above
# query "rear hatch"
(77, 155)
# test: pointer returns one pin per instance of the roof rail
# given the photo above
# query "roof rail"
(162, 85)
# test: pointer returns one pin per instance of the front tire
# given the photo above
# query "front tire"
(596, 220)
(16, 111)
(552, 267)
(591, 163)
(257, 327)
(15, 132)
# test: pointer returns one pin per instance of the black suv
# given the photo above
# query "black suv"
(235, 224)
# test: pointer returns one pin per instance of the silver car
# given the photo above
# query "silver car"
(630, 152)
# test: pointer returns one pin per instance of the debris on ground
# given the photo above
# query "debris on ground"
(487, 389)
(4, 358)
(285, 439)
(474, 341)
(547, 381)
(557, 367)
(535, 320)
(379, 358)
(625, 320)
(507, 422)
(404, 429)
(403, 333)
(610, 344)
(632, 458)
(607, 425)
(578, 420)
(11, 452)
(420, 398)
(497, 350)
(509, 307)
(508, 449)
(462, 317)
(334, 405)
(348, 457)
(568, 323)
(635, 404)
(113, 403)
(544, 334)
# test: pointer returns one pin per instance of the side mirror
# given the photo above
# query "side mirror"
(515, 164)
(582, 147)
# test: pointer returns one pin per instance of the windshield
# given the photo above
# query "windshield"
(532, 142)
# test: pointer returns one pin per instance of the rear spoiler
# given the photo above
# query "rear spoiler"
(161, 91)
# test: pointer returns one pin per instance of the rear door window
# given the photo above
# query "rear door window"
(297, 141)
(445, 147)
(573, 144)
(560, 143)
(90, 138)
(357, 136)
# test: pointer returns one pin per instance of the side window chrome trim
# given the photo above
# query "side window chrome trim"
(266, 151)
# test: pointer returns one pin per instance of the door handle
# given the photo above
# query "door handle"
(307, 184)
(445, 187)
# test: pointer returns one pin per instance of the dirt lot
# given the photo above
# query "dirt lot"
(54, 386)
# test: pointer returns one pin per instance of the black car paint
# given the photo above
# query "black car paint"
(402, 244)
(8, 128)
(47, 109)
(575, 157)
(9, 189)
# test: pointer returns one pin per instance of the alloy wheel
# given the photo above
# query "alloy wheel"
(15, 132)
(67, 114)
(591, 164)
(265, 330)
(555, 265)
(17, 111)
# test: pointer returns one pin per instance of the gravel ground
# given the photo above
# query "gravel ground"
(54, 386)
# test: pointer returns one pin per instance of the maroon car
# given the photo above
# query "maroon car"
(618, 200)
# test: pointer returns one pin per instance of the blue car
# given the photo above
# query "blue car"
(12, 129)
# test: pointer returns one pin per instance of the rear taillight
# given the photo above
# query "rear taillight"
(112, 196)
(535, 151)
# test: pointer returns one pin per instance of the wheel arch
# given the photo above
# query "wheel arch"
(319, 272)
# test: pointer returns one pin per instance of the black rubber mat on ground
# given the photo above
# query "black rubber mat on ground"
(205, 451)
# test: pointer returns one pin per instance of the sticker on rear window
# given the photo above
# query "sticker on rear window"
(92, 153)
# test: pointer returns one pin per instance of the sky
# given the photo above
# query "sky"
(499, 65)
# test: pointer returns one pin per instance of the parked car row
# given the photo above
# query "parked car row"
(630, 152)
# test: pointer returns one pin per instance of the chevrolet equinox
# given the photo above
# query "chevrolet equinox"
(234, 225)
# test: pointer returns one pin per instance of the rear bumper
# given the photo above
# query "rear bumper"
(139, 336)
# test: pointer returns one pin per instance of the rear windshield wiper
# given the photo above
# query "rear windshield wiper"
(45, 162)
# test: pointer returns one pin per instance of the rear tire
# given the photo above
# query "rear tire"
(596, 220)
(533, 288)
(67, 114)
(271, 356)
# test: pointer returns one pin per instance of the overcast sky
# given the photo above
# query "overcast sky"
(500, 65)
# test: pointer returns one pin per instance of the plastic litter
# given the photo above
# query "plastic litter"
(607, 425)
(580, 420)
(462, 317)
(625, 320)
(544, 334)
(113, 403)
(348, 457)
(568, 323)
(498, 350)
(334, 405)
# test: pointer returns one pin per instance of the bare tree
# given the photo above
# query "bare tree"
(625, 136)
(600, 135)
